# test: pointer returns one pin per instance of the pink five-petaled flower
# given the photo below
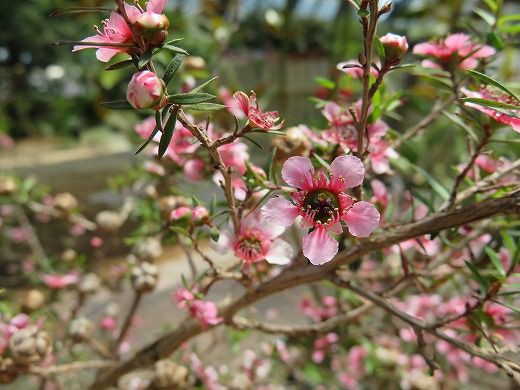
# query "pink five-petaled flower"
(205, 312)
(456, 47)
(512, 120)
(257, 240)
(145, 90)
(249, 106)
(322, 203)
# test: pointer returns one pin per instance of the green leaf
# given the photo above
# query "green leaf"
(401, 67)
(493, 104)
(117, 105)
(508, 242)
(190, 98)
(326, 83)
(176, 49)
(322, 162)
(493, 256)
(270, 166)
(253, 141)
(120, 65)
(488, 80)
(380, 49)
(158, 125)
(206, 107)
(484, 285)
(173, 41)
(459, 122)
(492, 4)
(172, 67)
(144, 59)
(486, 16)
(200, 87)
(181, 231)
(167, 133)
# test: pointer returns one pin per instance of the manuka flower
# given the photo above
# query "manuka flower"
(257, 240)
(454, 50)
(321, 201)
(249, 106)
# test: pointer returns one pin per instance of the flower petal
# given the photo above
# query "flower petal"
(297, 172)
(280, 211)
(319, 247)
(243, 102)
(280, 253)
(156, 6)
(350, 168)
(362, 219)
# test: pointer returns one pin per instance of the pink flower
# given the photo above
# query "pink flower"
(322, 345)
(180, 213)
(108, 323)
(116, 31)
(154, 168)
(395, 46)
(145, 90)
(486, 163)
(182, 143)
(205, 312)
(322, 203)
(60, 281)
(454, 50)
(207, 375)
(235, 155)
(249, 106)
(257, 240)
(193, 169)
(96, 242)
(502, 116)
(199, 213)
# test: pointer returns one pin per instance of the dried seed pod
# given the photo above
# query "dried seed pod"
(169, 375)
(144, 277)
(81, 329)
(30, 345)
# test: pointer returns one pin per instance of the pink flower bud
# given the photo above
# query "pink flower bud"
(200, 213)
(180, 212)
(146, 90)
(150, 21)
(395, 46)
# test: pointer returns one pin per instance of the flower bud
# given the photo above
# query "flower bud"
(144, 277)
(33, 300)
(395, 46)
(109, 221)
(8, 186)
(146, 90)
(30, 345)
(153, 27)
(65, 202)
(81, 329)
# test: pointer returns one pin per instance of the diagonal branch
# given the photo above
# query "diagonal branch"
(296, 274)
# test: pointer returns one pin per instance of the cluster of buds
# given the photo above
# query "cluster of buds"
(144, 277)
(30, 345)
(169, 375)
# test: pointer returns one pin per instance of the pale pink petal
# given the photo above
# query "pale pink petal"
(243, 102)
(106, 54)
(280, 253)
(319, 247)
(132, 12)
(485, 51)
(156, 6)
(93, 39)
(280, 211)
(297, 171)
(425, 48)
(362, 219)
(457, 41)
(336, 228)
(350, 168)
(430, 64)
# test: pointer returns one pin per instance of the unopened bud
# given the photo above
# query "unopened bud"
(109, 221)
(169, 375)
(395, 47)
(33, 300)
(8, 185)
(148, 249)
(153, 27)
(65, 202)
(146, 90)
(89, 284)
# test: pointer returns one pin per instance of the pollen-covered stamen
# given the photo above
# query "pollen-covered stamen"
(321, 206)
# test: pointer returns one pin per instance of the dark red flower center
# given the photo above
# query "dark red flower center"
(323, 204)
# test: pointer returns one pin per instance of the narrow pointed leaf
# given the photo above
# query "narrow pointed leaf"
(120, 65)
(199, 88)
(158, 125)
(206, 107)
(172, 67)
(190, 98)
(488, 80)
(117, 105)
(167, 134)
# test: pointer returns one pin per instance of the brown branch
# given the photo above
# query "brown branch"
(128, 320)
(296, 274)
(70, 367)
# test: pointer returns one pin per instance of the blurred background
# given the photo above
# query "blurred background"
(53, 129)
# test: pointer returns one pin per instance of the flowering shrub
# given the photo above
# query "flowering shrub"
(420, 293)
